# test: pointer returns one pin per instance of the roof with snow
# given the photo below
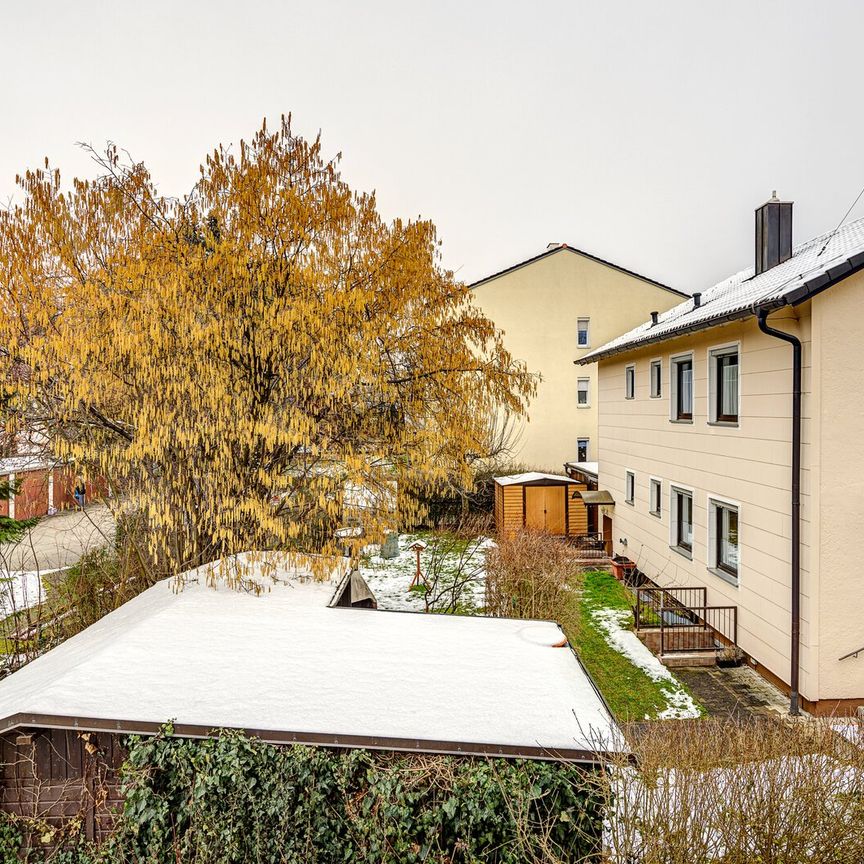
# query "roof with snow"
(814, 266)
(276, 661)
(584, 467)
(531, 477)
(552, 248)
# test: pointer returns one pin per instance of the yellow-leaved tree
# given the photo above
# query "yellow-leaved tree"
(234, 361)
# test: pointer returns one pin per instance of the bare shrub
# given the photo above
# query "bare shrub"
(772, 791)
(455, 562)
(531, 575)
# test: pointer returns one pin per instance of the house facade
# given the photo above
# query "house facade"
(723, 480)
(553, 309)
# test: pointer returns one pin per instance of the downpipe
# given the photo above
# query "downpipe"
(796, 503)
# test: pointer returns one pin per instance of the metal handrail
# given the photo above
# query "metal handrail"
(852, 654)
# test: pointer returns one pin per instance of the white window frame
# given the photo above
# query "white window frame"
(674, 360)
(712, 503)
(658, 511)
(587, 448)
(587, 344)
(587, 402)
(658, 363)
(674, 489)
(628, 392)
(713, 353)
(630, 481)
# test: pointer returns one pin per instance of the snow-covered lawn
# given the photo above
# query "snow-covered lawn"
(454, 560)
(613, 624)
(20, 589)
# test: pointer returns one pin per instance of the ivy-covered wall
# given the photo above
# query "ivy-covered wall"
(233, 799)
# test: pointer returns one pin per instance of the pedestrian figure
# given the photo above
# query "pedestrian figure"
(80, 493)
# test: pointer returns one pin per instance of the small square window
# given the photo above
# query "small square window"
(655, 497)
(630, 488)
(582, 335)
(630, 382)
(582, 450)
(656, 379)
(583, 392)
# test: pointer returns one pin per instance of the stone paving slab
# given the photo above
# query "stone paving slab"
(737, 693)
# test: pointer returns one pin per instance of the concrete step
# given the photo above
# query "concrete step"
(689, 658)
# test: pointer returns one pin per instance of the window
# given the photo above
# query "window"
(682, 388)
(583, 392)
(656, 390)
(630, 488)
(582, 450)
(654, 497)
(723, 385)
(724, 537)
(582, 332)
(630, 382)
(682, 520)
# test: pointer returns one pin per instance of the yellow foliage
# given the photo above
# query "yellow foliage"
(232, 360)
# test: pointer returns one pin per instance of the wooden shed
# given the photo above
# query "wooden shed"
(540, 502)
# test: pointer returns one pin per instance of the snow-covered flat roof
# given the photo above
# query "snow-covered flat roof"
(530, 477)
(283, 665)
(586, 467)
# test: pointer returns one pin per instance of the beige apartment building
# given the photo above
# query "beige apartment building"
(722, 479)
(553, 309)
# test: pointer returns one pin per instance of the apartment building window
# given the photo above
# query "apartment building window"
(655, 490)
(582, 332)
(723, 385)
(656, 379)
(582, 450)
(630, 487)
(630, 382)
(682, 521)
(583, 392)
(682, 388)
(724, 537)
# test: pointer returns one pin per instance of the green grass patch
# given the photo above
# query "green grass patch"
(631, 694)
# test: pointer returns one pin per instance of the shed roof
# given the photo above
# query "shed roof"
(282, 665)
(584, 467)
(531, 477)
(814, 266)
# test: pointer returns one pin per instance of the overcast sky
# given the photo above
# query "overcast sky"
(643, 132)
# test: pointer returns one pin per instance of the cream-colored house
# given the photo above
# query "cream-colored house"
(554, 308)
(704, 448)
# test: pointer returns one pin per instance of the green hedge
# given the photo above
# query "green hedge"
(233, 799)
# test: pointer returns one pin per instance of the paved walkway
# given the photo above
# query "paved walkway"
(59, 541)
(737, 693)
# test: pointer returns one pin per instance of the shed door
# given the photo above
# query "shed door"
(544, 508)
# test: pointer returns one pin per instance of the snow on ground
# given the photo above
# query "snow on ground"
(390, 579)
(21, 589)
(613, 623)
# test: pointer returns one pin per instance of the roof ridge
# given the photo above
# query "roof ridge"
(566, 246)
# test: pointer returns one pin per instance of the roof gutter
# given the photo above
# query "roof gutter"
(737, 315)
(796, 503)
